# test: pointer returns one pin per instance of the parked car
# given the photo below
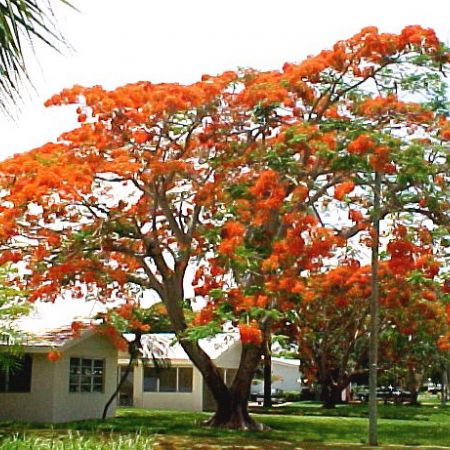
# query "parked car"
(387, 394)
(434, 388)
(277, 396)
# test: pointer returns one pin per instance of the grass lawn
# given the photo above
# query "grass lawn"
(303, 425)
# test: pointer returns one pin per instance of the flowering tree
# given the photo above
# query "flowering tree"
(235, 175)
(332, 327)
(356, 128)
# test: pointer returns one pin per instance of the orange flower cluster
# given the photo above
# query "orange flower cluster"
(380, 160)
(205, 315)
(401, 252)
(54, 355)
(233, 236)
(444, 129)
(250, 334)
(391, 107)
(360, 55)
(145, 98)
(342, 189)
(355, 215)
(428, 265)
(114, 336)
(361, 145)
(343, 283)
(444, 342)
(347, 288)
(76, 328)
(264, 88)
(269, 194)
(8, 256)
(244, 303)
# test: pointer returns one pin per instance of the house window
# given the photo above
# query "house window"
(86, 375)
(172, 379)
(150, 379)
(168, 380)
(17, 376)
(184, 379)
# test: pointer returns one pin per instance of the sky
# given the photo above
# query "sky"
(115, 42)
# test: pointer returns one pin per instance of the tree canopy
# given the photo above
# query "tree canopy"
(256, 180)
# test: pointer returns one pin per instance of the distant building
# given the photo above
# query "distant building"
(286, 377)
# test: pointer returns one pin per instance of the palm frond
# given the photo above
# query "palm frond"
(23, 20)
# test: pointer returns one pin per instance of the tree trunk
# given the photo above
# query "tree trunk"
(232, 410)
(211, 375)
(447, 369)
(330, 395)
(413, 385)
(233, 414)
(133, 350)
(267, 371)
(231, 403)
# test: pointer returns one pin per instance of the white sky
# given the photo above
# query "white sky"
(116, 42)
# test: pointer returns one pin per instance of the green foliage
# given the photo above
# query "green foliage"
(292, 396)
(12, 307)
(119, 323)
(158, 320)
(202, 331)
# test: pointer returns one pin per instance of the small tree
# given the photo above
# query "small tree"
(332, 324)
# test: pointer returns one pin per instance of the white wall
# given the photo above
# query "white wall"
(50, 400)
(285, 377)
(180, 401)
(85, 405)
(230, 358)
(36, 405)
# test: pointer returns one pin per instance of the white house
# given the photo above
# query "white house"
(174, 383)
(75, 387)
(286, 376)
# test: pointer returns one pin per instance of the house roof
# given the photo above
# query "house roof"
(165, 346)
(50, 338)
(54, 337)
(286, 361)
(58, 314)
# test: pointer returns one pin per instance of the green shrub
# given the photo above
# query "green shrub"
(292, 396)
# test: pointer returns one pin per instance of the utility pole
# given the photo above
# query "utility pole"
(444, 390)
(374, 313)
